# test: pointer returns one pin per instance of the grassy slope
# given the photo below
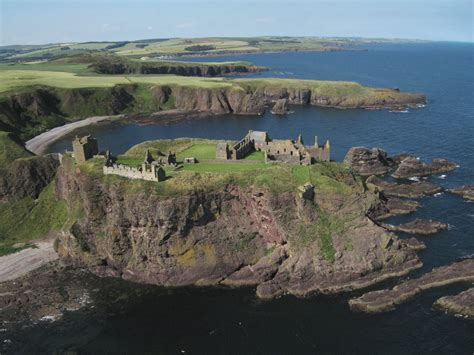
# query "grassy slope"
(10, 149)
(26, 220)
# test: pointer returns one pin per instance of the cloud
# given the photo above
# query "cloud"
(149, 28)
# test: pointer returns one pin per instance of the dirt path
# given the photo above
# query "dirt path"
(39, 143)
(18, 264)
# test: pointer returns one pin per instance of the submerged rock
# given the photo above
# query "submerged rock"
(388, 299)
(411, 166)
(366, 162)
(417, 226)
(462, 303)
(466, 192)
(413, 190)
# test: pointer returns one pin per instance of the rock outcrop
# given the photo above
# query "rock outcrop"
(366, 162)
(386, 300)
(466, 192)
(417, 226)
(414, 190)
(280, 107)
(235, 236)
(411, 166)
(462, 303)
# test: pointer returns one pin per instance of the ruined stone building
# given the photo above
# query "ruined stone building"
(150, 170)
(276, 150)
(84, 148)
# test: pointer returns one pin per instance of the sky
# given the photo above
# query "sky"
(52, 21)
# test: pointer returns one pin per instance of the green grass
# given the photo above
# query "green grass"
(198, 151)
(13, 79)
(224, 167)
(11, 149)
(260, 156)
(26, 220)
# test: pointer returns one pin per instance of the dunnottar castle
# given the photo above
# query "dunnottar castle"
(275, 151)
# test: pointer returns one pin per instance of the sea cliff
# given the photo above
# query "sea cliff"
(33, 110)
(229, 229)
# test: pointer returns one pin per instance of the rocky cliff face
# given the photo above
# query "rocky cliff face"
(280, 243)
(174, 68)
(32, 112)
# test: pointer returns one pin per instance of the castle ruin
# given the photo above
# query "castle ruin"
(150, 170)
(84, 148)
(276, 150)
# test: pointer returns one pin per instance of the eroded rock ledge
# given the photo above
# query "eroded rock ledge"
(417, 226)
(376, 161)
(462, 303)
(466, 192)
(414, 190)
(388, 299)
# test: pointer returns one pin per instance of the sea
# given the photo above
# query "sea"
(233, 321)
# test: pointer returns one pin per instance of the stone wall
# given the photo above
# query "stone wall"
(148, 172)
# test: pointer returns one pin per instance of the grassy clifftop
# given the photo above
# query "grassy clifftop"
(211, 175)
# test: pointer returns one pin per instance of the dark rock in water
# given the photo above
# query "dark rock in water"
(412, 166)
(28, 177)
(462, 303)
(414, 190)
(368, 162)
(388, 299)
(280, 107)
(466, 192)
(394, 206)
(415, 244)
(417, 226)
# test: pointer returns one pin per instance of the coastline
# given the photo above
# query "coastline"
(39, 143)
(13, 266)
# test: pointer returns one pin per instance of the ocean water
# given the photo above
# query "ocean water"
(216, 320)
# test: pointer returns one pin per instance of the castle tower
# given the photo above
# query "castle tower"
(84, 148)
(300, 139)
(316, 144)
(148, 157)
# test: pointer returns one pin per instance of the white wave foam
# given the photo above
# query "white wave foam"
(414, 178)
(442, 177)
(438, 194)
(398, 111)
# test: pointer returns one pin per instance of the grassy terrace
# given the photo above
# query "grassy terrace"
(209, 175)
(13, 79)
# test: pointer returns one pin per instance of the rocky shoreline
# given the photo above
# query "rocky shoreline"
(417, 226)
(466, 192)
(462, 303)
(388, 299)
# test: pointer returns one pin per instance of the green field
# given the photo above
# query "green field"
(179, 46)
